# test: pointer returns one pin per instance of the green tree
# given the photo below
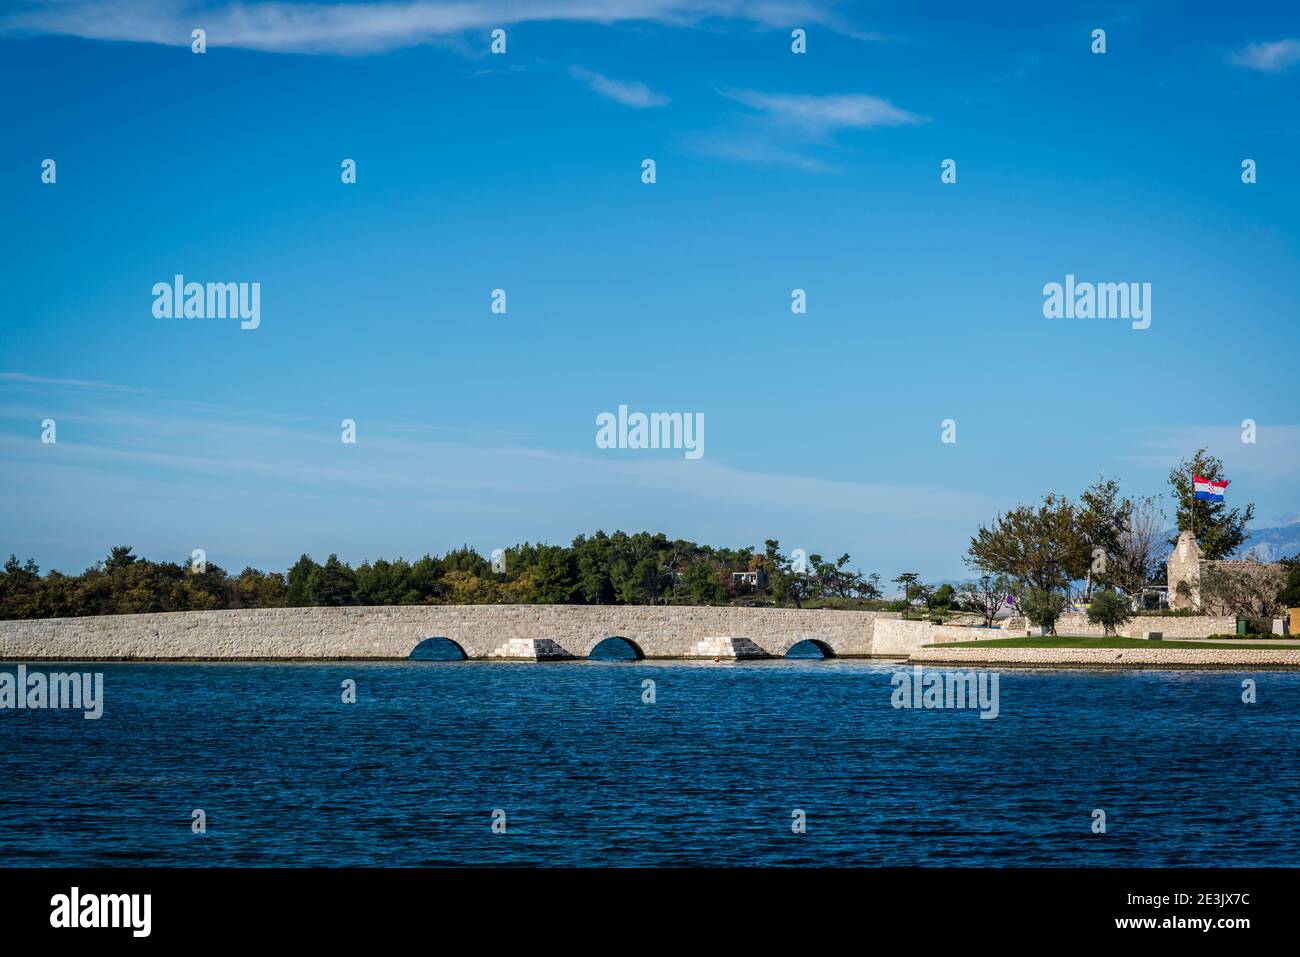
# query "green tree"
(1043, 546)
(1219, 530)
(424, 584)
(701, 583)
(641, 585)
(205, 590)
(119, 557)
(943, 598)
(466, 559)
(332, 584)
(1043, 607)
(62, 597)
(1109, 609)
(784, 584)
(987, 596)
(1253, 591)
(21, 590)
(555, 579)
(297, 594)
(1103, 514)
(1289, 596)
(908, 582)
(256, 589)
(593, 557)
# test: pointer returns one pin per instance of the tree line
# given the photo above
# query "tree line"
(1103, 548)
(599, 569)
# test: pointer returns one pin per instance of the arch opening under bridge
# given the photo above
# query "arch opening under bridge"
(615, 648)
(809, 649)
(438, 648)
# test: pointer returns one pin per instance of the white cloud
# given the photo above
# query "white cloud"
(357, 28)
(629, 93)
(262, 490)
(787, 128)
(755, 148)
(87, 385)
(1274, 456)
(824, 114)
(1272, 57)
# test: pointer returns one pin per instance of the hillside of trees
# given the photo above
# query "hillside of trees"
(599, 569)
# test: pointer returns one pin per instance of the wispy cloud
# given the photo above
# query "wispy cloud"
(85, 385)
(1272, 57)
(823, 115)
(1273, 457)
(755, 148)
(260, 490)
(629, 93)
(358, 28)
(789, 129)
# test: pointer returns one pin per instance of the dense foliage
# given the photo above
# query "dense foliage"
(599, 569)
(1104, 549)
(1109, 609)
(1220, 530)
(1105, 540)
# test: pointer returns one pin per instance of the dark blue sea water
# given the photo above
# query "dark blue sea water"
(708, 775)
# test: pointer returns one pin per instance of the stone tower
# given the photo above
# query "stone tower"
(1185, 566)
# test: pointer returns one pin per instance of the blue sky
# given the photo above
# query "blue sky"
(522, 171)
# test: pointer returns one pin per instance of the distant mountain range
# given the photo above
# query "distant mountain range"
(1272, 544)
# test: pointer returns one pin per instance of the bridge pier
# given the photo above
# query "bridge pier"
(727, 647)
(530, 649)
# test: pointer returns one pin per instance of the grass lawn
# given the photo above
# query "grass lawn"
(1066, 641)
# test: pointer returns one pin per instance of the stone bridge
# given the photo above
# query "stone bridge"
(521, 632)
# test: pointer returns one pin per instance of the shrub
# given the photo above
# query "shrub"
(1043, 607)
(945, 596)
(1109, 609)
(1249, 636)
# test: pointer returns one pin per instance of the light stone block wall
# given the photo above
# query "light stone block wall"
(1186, 564)
(899, 638)
(728, 648)
(529, 649)
(1155, 655)
(1171, 626)
(391, 632)
(1201, 626)
(902, 638)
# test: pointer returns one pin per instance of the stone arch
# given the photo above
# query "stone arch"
(637, 650)
(431, 648)
(826, 650)
(781, 648)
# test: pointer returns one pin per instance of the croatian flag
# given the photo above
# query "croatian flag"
(1208, 490)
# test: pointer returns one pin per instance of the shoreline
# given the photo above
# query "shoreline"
(1151, 658)
(1011, 658)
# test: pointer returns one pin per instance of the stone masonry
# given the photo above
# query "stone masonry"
(904, 638)
(1187, 569)
(519, 632)
(1156, 656)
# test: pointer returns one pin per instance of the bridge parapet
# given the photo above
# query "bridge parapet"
(531, 632)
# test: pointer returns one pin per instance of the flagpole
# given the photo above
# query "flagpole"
(1193, 505)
